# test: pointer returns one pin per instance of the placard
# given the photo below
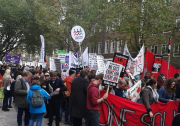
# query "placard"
(111, 74)
(78, 33)
(157, 64)
(61, 55)
(121, 59)
(93, 61)
(100, 63)
(65, 66)
(54, 63)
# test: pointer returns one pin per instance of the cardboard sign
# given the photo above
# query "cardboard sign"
(121, 59)
(61, 55)
(111, 74)
(78, 33)
(157, 64)
(65, 66)
(100, 63)
(55, 64)
(93, 61)
(134, 91)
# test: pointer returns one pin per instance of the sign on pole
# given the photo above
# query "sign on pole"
(62, 55)
(157, 64)
(93, 61)
(111, 74)
(78, 35)
(55, 64)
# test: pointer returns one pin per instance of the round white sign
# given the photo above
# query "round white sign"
(78, 33)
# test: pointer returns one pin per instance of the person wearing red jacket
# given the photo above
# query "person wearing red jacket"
(68, 81)
(94, 100)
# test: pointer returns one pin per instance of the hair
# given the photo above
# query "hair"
(148, 72)
(37, 82)
(82, 73)
(17, 73)
(99, 76)
(59, 74)
(91, 76)
(64, 70)
(26, 73)
(122, 82)
(176, 75)
(53, 74)
(7, 73)
(151, 82)
(167, 86)
(36, 72)
(18, 77)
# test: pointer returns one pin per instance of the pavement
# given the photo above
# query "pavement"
(9, 118)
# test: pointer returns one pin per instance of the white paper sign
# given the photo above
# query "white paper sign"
(54, 64)
(78, 33)
(100, 63)
(61, 57)
(134, 92)
(93, 61)
(112, 73)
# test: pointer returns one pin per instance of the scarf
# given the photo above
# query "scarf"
(155, 94)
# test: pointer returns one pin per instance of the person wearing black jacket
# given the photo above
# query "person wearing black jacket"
(55, 89)
(78, 99)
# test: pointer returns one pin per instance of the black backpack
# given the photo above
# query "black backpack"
(12, 87)
(37, 99)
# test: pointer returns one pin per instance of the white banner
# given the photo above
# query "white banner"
(134, 92)
(93, 61)
(54, 64)
(136, 63)
(74, 62)
(41, 59)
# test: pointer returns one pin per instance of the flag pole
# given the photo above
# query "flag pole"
(169, 49)
(81, 55)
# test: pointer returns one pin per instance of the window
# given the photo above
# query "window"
(91, 49)
(119, 44)
(164, 49)
(94, 48)
(107, 28)
(176, 50)
(154, 49)
(112, 46)
(145, 49)
(178, 23)
(99, 48)
(106, 46)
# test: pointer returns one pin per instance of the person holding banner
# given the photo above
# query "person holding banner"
(150, 95)
(120, 88)
(93, 101)
(145, 79)
(167, 92)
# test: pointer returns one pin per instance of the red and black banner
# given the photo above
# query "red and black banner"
(117, 111)
(121, 59)
(157, 63)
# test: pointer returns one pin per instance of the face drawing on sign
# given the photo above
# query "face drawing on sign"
(75, 33)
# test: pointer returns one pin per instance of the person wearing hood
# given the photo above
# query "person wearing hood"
(94, 100)
(36, 112)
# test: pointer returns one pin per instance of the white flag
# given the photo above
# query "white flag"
(85, 57)
(137, 63)
(41, 59)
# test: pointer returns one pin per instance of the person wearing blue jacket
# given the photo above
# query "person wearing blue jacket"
(167, 92)
(36, 112)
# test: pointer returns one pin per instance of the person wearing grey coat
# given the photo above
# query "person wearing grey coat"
(150, 95)
(21, 89)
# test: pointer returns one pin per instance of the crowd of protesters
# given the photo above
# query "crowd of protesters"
(76, 92)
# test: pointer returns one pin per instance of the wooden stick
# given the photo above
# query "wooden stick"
(107, 90)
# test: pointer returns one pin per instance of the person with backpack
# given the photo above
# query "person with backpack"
(35, 99)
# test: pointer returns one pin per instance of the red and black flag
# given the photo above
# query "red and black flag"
(169, 47)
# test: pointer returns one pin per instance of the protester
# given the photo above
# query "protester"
(161, 79)
(35, 76)
(36, 112)
(68, 81)
(6, 80)
(145, 79)
(119, 89)
(55, 89)
(77, 99)
(91, 77)
(167, 92)
(176, 76)
(21, 89)
(150, 95)
(2, 70)
(44, 86)
(94, 100)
